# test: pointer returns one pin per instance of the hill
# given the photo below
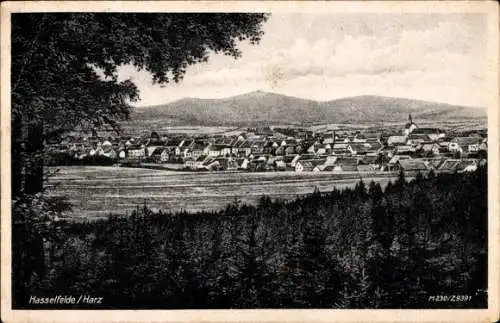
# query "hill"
(263, 107)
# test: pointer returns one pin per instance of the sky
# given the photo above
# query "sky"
(436, 57)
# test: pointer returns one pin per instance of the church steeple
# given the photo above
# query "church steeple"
(409, 119)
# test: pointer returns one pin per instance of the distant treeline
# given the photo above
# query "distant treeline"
(65, 159)
(362, 247)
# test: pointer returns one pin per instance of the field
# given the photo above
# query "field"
(144, 127)
(96, 191)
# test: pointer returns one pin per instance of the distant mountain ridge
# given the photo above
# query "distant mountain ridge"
(263, 107)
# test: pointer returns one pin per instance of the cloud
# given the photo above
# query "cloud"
(437, 58)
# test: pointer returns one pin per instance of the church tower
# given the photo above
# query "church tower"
(410, 126)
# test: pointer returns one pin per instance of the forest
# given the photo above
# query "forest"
(361, 247)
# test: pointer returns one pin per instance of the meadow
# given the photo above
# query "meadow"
(96, 191)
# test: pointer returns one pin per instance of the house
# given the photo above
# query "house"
(323, 150)
(373, 145)
(298, 157)
(92, 151)
(136, 152)
(404, 150)
(173, 143)
(306, 134)
(290, 150)
(187, 143)
(348, 139)
(189, 163)
(186, 153)
(258, 146)
(122, 154)
(346, 165)
(484, 144)
(76, 147)
(303, 146)
(153, 144)
(223, 140)
(434, 163)
(153, 150)
(467, 166)
(197, 149)
(411, 165)
(245, 148)
(215, 150)
(276, 162)
(199, 162)
(396, 140)
(269, 147)
(391, 164)
(242, 163)
(107, 151)
(281, 150)
(339, 148)
(388, 151)
(373, 149)
(274, 143)
(371, 160)
(165, 155)
(265, 131)
(464, 144)
(459, 165)
(449, 165)
(433, 133)
(156, 155)
(357, 148)
(359, 138)
(329, 161)
(414, 139)
(257, 164)
(83, 152)
(289, 142)
(308, 165)
(430, 148)
(184, 147)
(288, 159)
(227, 163)
(270, 160)
(212, 164)
(280, 164)
(328, 140)
(312, 149)
(443, 150)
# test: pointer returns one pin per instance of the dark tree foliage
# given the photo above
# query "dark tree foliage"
(64, 77)
(349, 248)
(56, 57)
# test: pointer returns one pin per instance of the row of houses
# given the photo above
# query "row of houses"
(289, 149)
(346, 163)
(190, 150)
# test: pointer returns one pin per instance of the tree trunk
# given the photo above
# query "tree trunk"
(35, 153)
(18, 165)
(27, 178)
(27, 160)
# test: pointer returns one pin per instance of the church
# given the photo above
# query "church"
(410, 126)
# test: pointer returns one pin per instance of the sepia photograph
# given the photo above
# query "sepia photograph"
(291, 156)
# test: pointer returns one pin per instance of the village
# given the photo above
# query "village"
(412, 148)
